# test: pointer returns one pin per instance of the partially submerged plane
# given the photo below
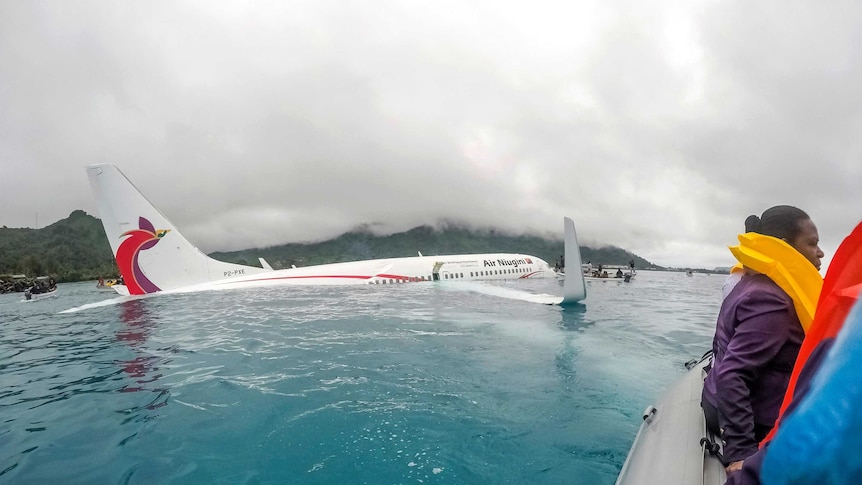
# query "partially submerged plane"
(154, 257)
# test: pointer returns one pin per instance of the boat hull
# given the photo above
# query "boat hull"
(669, 448)
(39, 296)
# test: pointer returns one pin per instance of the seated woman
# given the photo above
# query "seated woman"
(757, 339)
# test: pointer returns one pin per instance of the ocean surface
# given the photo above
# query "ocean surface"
(415, 383)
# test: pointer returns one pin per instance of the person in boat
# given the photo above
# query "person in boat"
(731, 280)
(619, 272)
(796, 452)
(757, 338)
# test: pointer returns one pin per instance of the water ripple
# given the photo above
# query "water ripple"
(395, 384)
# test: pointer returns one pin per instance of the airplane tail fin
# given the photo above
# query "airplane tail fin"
(151, 253)
(574, 288)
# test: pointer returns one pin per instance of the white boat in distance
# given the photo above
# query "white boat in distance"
(43, 287)
(608, 273)
(153, 256)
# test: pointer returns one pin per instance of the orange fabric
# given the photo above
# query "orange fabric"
(784, 265)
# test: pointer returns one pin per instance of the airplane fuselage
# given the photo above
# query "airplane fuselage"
(153, 256)
(469, 267)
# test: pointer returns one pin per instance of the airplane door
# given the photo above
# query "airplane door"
(435, 272)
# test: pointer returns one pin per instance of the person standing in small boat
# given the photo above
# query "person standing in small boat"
(757, 339)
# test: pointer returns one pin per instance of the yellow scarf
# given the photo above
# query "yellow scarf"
(784, 265)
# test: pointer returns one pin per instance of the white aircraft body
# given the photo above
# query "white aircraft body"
(153, 256)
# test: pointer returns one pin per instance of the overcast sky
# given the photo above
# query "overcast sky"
(657, 126)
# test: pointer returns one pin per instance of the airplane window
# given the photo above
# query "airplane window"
(462, 275)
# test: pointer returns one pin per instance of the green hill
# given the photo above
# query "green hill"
(72, 249)
(76, 249)
(360, 244)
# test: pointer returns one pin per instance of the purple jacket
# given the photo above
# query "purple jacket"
(757, 338)
(750, 473)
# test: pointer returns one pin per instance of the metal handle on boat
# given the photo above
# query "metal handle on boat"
(649, 412)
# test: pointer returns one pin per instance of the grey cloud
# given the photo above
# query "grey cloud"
(265, 123)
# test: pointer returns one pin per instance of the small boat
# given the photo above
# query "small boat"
(106, 284)
(29, 295)
(603, 275)
(673, 445)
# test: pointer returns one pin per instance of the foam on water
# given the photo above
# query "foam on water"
(396, 384)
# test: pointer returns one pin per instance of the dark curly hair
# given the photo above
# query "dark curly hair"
(781, 221)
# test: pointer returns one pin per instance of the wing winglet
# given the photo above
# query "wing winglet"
(574, 288)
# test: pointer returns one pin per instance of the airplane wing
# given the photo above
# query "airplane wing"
(574, 288)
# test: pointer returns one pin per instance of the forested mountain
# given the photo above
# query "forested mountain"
(359, 244)
(72, 249)
(76, 249)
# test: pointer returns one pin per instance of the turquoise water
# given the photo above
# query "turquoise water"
(379, 385)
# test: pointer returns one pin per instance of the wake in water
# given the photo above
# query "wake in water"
(502, 292)
(108, 302)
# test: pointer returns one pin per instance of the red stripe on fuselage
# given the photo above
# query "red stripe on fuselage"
(356, 277)
(394, 276)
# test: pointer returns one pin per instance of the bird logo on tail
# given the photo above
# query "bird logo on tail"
(139, 240)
